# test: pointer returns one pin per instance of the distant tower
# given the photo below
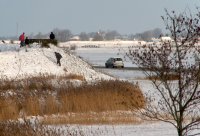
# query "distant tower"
(17, 29)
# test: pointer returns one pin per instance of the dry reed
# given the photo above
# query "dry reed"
(40, 96)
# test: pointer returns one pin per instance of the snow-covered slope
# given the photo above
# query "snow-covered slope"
(15, 62)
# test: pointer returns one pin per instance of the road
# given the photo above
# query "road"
(125, 68)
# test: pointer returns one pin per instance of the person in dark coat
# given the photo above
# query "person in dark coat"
(27, 41)
(58, 57)
(52, 36)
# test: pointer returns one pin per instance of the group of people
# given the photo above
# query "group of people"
(25, 42)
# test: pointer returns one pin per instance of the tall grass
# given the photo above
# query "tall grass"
(50, 95)
(103, 96)
(27, 128)
(47, 95)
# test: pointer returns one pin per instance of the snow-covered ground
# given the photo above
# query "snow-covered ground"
(103, 44)
(98, 56)
(143, 129)
(15, 62)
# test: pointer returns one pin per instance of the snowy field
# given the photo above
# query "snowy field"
(144, 129)
(98, 56)
(15, 62)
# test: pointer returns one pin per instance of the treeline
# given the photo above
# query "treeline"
(63, 35)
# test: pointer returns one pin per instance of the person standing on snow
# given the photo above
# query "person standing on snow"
(58, 57)
(22, 39)
(52, 36)
(27, 41)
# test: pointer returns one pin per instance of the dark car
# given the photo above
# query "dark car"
(114, 63)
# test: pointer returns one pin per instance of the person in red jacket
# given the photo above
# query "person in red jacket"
(22, 39)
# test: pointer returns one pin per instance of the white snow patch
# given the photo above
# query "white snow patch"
(17, 63)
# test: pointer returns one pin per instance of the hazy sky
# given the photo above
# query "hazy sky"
(125, 16)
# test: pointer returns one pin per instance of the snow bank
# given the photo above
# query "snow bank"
(101, 44)
(15, 62)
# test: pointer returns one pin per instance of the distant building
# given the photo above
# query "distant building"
(165, 39)
(75, 38)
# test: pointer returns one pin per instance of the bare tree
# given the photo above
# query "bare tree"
(111, 35)
(173, 67)
(62, 35)
(84, 36)
(40, 36)
(98, 37)
(148, 35)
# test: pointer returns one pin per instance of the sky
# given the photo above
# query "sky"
(124, 16)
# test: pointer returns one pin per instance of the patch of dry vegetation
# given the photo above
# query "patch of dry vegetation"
(102, 96)
(73, 77)
(42, 82)
(164, 77)
(90, 118)
(34, 128)
(48, 100)
(82, 104)
(48, 95)
(29, 127)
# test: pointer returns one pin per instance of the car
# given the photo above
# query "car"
(114, 63)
